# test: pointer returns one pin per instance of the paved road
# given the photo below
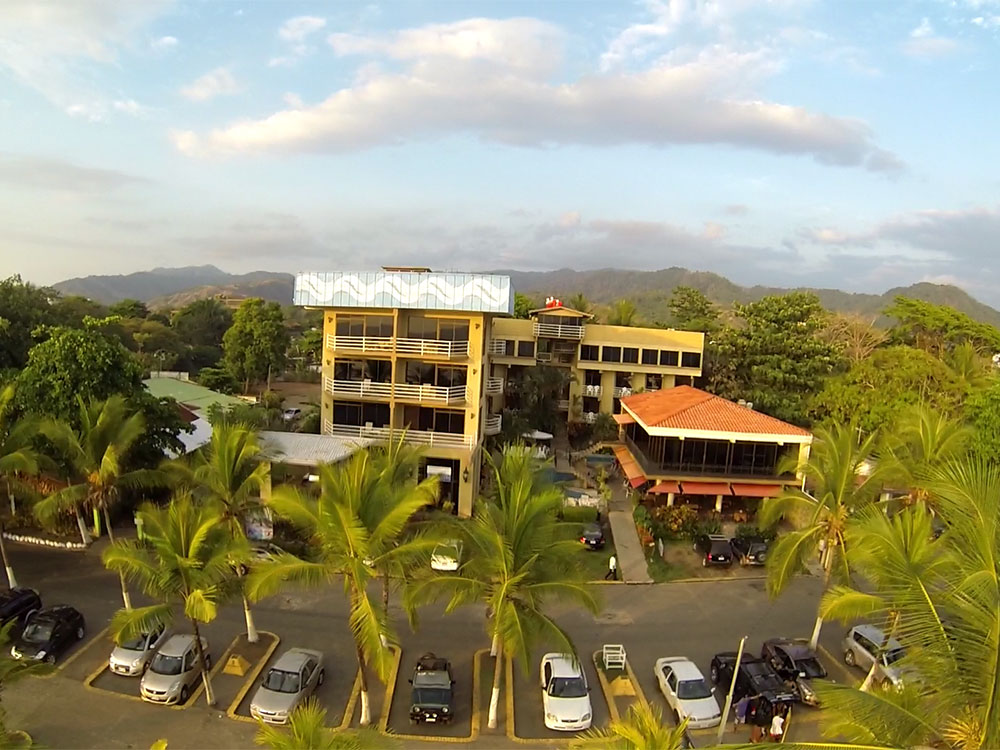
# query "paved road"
(693, 619)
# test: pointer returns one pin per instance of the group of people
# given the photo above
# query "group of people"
(751, 710)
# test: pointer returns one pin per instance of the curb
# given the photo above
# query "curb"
(39, 542)
(352, 701)
(254, 674)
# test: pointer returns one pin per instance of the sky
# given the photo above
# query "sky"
(848, 143)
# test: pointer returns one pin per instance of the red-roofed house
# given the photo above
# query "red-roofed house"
(684, 441)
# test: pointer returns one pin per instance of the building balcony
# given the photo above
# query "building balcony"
(403, 346)
(556, 331)
(590, 417)
(493, 386)
(621, 391)
(492, 425)
(357, 389)
(497, 347)
(562, 404)
(592, 391)
(366, 389)
(416, 437)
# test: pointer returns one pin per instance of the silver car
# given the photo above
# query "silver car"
(132, 658)
(174, 672)
(293, 678)
(863, 647)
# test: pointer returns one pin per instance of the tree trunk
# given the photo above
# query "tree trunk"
(252, 636)
(385, 604)
(209, 695)
(495, 695)
(121, 576)
(495, 646)
(11, 581)
(84, 535)
(827, 561)
(366, 711)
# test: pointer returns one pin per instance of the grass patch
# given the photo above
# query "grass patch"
(661, 571)
(592, 564)
(579, 514)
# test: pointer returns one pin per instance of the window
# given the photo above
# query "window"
(671, 679)
(690, 359)
(630, 355)
(592, 377)
(611, 354)
(446, 420)
(189, 661)
(350, 325)
(650, 356)
(378, 325)
(668, 358)
(451, 376)
(588, 353)
(525, 348)
(654, 382)
(421, 328)
(348, 369)
(357, 415)
(419, 372)
(509, 347)
(453, 330)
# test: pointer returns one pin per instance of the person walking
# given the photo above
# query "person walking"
(778, 725)
(757, 719)
(740, 717)
(612, 569)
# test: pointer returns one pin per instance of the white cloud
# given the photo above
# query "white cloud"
(293, 100)
(55, 174)
(298, 28)
(164, 43)
(218, 82)
(924, 43)
(130, 107)
(924, 30)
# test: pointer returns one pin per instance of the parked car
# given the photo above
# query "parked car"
(293, 678)
(687, 693)
(863, 647)
(796, 662)
(48, 633)
(715, 550)
(290, 415)
(749, 550)
(174, 672)
(755, 677)
(132, 657)
(447, 556)
(17, 605)
(592, 536)
(565, 694)
(431, 696)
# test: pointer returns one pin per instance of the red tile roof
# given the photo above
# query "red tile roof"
(687, 408)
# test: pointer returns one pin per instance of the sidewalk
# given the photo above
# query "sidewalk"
(631, 558)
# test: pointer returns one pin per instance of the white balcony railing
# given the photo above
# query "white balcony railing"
(590, 417)
(621, 391)
(562, 403)
(592, 391)
(543, 356)
(498, 347)
(556, 331)
(407, 391)
(419, 437)
(357, 388)
(388, 344)
(494, 386)
(492, 424)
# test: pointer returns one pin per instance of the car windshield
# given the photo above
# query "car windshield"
(567, 687)
(163, 664)
(693, 689)
(431, 696)
(281, 681)
(37, 632)
(136, 644)
(811, 666)
(891, 657)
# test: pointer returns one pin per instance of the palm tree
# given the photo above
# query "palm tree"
(579, 302)
(228, 473)
(843, 481)
(96, 456)
(18, 458)
(354, 530)
(517, 564)
(971, 369)
(642, 728)
(307, 730)
(184, 563)
(623, 313)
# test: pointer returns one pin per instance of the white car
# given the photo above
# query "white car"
(132, 658)
(565, 695)
(447, 556)
(687, 693)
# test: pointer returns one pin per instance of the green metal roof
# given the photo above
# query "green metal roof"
(194, 396)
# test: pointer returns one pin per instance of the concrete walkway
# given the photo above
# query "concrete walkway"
(631, 558)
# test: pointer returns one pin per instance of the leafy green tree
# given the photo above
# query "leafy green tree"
(74, 364)
(353, 528)
(642, 728)
(74, 310)
(605, 428)
(777, 359)
(164, 425)
(23, 308)
(971, 369)
(523, 304)
(691, 310)
(921, 440)
(842, 481)
(18, 459)
(218, 379)
(307, 730)
(129, 308)
(203, 322)
(877, 389)
(623, 313)
(534, 396)
(184, 564)
(982, 410)
(939, 328)
(255, 345)
(517, 563)
(580, 303)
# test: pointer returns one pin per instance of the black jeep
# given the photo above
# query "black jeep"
(431, 700)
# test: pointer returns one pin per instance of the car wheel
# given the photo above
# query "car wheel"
(50, 659)
(79, 633)
(322, 676)
(714, 674)
(849, 659)
(184, 694)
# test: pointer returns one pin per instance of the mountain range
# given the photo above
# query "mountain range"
(170, 288)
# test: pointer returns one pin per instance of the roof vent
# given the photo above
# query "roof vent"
(742, 402)
(749, 405)
(406, 269)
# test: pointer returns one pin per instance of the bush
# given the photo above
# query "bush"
(711, 525)
(579, 434)
(674, 522)
(218, 379)
(750, 531)
(578, 514)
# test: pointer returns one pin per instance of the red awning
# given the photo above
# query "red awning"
(756, 490)
(664, 488)
(629, 466)
(706, 488)
(637, 481)
(624, 419)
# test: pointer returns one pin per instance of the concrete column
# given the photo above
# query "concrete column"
(466, 490)
(802, 460)
(670, 499)
(718, 503)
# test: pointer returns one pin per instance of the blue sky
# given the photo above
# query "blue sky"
(849, 144)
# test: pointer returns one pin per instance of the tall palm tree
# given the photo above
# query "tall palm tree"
(353, 530)
(307, 730)
(971, 368)
(18, 458)
(228, 473)
(95, 455)
(517, 564)
(842, 481)
(623, 313)
(579, 302)
(642, 728)
(184, 563)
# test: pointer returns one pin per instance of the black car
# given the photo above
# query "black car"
(755, 677)
(592, 536)
(16, 605)
(431, 698)
(749, 550)
(715, 550)
(796, 662)
(48, 633)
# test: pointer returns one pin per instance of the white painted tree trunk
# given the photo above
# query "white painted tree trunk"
(252, 636)
(366, 710)
(814, 641)
(84, 534)
(209, 693)
(125, 597)
(12, 582)
(866, 685)
(495, 695)
(495, 647)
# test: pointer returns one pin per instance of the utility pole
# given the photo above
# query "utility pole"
(732, 688)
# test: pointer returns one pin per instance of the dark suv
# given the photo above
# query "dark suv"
(17, 605)
(755, 677)
(431, 699)
(715, 549)
(749, 550)
(592, 536)
(48, 633)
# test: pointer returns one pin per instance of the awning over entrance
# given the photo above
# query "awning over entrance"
(624, 419)
(637, 481)
(705, 488)
(664, 488)
(756, 490)
(632, 471)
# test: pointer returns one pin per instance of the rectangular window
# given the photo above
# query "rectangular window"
(592, 377)
(654, 382)
(378, 370)
(690, 359)
(509, 347)
(348, 369)
(668, 358)
(421, 328)
(623, 380)
(611, 354)
(588, 353)
(525, 348)
(450, 377)
(650, 356)
(419, 372)
(347, 412)
(446, 420)
(378, 325)
(454, 330)
(630, 355)
(350, 325)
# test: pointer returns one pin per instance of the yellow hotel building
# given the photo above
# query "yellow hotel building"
(430, 353)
